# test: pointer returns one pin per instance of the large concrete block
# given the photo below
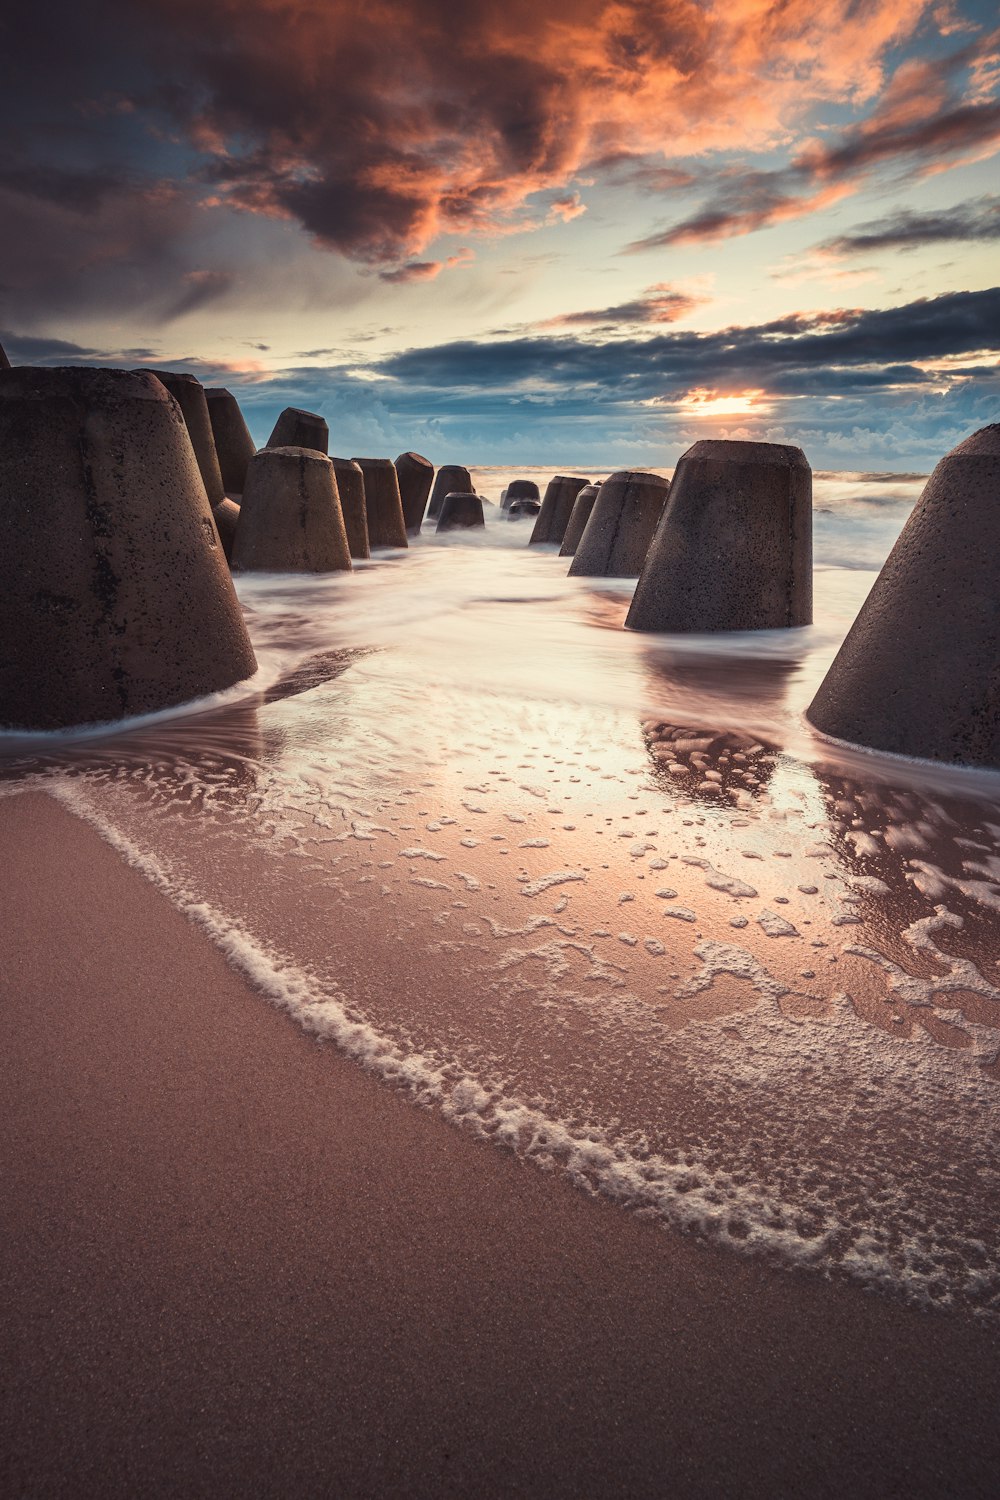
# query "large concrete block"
(453, 478)
(460, 512)
(383, 506)
(351, 484)
(578, 518)
(733, 548)
(189, 394)
(557, 507)
(616, 538)
(290, 520)
(226, 514)
(415, 475)
(519, 489)
(116, 598)
(233, 443)
(296, 428)
(919, 671)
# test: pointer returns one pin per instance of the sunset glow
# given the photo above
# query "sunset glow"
(494, 212)
(703, 403)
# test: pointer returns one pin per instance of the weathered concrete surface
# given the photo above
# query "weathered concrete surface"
(919, 671)
(523, 509)
(557, 507)
(4, 361)
(116, 598)
(519, 489)
(296, 428)
(189, 394)
(453, 478)
(233, 443)
(290, 519)
(578, 518)
(383, 506)
(226, 514)
(616, 538)
(733, 548)
(351, 484)
(460, 512)
(415, 475)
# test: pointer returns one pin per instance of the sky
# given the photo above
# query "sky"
(580, 233)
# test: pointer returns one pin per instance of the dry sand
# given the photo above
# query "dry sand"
(234, 1263)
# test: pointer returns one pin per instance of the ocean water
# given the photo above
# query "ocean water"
(602, 898)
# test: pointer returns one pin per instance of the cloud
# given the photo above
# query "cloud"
(922, 123)
(837, 351)
(425, 270)
(906, 229)
(428, 119)
(660, 303)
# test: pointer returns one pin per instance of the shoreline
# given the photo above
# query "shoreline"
(239, 1262)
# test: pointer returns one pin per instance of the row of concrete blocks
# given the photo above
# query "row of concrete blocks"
(728, 546)
(129, 607)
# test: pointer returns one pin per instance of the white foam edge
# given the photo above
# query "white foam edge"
(648, 1184)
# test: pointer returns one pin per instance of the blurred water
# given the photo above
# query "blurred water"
(604, 898)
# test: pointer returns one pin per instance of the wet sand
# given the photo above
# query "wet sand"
(234, 1262)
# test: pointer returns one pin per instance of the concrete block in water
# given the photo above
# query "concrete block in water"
(557, 507)
(290, 519)
(415, 475)
(524, 509)
(226, 514)
(519, 489)
(733, 547)
(452, 479)
(351, 484)
(189, 394)
(578, 518)
(460, 512)
(918, 671)
(115, 599)
(233, 443)
(383, 506)
(296, 428)
(621, 525)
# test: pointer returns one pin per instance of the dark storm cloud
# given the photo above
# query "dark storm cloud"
(907, 230)
(843, 350)
(379, 131)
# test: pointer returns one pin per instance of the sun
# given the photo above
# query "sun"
(703, 402)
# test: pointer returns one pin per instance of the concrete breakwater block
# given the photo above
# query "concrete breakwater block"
(415, 475)
(296, 428)
(233, 443)
(290, 520)
(917, 673)
(226, 514)
(452, 479)
(460, 512)
(383, 506)
(519, 489)
(189, 394)
(557, 507)
(522, 510)
(578, 518)
(116, 597)
(733, 547)
(351, 484)
(621, 525)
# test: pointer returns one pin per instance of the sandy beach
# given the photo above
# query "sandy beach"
(234, 1262)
